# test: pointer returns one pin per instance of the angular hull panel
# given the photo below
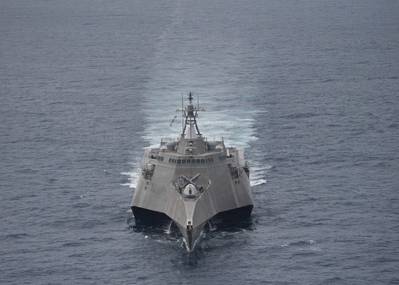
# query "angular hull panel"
(161, 196)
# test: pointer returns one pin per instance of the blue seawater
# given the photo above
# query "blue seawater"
(309, 88)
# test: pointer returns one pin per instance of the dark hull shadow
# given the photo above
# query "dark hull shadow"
(152, 222)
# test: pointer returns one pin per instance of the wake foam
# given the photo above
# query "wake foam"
(132, 177)
(235, 125)
(258, 173)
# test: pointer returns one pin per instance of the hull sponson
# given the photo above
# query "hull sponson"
(148, 217)
(233, 215)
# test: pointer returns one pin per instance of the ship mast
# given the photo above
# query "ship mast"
(189, 115)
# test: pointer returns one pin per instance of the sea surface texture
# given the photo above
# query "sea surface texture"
(309, 88)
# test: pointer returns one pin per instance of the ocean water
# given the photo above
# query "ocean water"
(308, 88)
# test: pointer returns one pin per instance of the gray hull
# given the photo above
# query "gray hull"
(190, 181)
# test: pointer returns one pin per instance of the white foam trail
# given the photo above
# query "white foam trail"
(258, 173)
(168, 230)
(258, 182)
(214, 125)
(262, 168)
(132, 177)
(235, 126)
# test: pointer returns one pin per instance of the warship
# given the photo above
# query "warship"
(191, 181)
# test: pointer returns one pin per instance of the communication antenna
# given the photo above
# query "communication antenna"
(182, 114)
